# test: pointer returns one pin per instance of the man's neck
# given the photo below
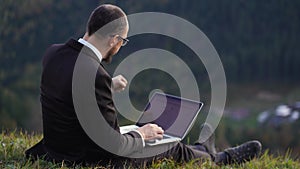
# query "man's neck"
(92, 47)
(97, 43)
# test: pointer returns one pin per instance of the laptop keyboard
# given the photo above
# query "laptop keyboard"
(164, 137)
(154, 140)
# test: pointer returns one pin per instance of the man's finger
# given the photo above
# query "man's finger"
(160, 130)
(159, 136)
(123, 80)
(122, 84)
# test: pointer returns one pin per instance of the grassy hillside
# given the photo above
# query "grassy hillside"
(13, 145)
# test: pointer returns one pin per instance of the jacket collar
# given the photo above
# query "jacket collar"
(82, 49)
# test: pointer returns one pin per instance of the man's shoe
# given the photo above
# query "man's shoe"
(208, 141)
(242, 153)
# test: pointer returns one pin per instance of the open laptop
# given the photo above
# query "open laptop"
(175, 115)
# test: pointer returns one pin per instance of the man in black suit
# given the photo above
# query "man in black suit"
(64, 138)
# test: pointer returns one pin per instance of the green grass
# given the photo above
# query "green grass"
(13, 144)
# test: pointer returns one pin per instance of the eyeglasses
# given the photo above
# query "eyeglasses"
(124, 40)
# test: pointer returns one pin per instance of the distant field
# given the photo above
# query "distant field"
(252, 99)
(13, 145)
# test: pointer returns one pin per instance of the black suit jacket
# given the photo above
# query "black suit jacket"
(64, 138)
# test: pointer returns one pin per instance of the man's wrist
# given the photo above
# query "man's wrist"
(142, 136)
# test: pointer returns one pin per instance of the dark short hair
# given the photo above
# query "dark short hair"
(103, 15)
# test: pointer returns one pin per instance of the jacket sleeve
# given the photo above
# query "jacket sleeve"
(129, 142)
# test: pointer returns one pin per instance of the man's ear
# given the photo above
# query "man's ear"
(113, 40)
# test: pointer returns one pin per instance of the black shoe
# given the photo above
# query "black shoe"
(207, 139)
(242, 153)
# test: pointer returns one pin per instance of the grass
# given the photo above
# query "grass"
(13, 144)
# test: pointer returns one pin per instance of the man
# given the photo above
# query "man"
(64, 138)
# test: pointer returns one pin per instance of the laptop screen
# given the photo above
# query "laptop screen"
(173, 114)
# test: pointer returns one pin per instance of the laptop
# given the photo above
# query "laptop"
(175, 115)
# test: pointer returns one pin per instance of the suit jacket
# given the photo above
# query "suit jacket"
(64, 138)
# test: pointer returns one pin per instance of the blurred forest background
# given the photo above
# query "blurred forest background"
(258, 43)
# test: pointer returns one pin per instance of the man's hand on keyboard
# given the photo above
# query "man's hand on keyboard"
(151, 132)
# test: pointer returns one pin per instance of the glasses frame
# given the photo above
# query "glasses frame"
(124, 40)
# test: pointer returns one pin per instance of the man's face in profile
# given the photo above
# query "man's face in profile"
(115, 49)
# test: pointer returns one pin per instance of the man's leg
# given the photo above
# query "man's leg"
(204, 150)
(179, 153)
(239, 154)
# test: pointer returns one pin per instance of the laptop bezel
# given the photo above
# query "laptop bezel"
(176, 97)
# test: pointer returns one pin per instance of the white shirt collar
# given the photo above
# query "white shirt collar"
(92, 47)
